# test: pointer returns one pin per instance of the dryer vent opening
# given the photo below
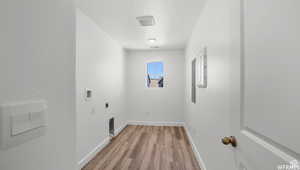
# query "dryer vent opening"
(111, 127)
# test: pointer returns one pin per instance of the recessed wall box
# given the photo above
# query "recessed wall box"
(88, 94)
(21, 122)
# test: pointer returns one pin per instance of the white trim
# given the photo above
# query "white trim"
(93, 153)
(98, 148)
(195, 150)
(150, 123)
(119, 130)
(268, 146)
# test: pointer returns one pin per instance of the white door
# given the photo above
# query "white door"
(266, 113)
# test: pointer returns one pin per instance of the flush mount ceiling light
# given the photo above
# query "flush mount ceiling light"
(152, 40)
(146, 20)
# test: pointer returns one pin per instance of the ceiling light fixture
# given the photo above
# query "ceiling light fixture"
(152, 40)
(146, 20)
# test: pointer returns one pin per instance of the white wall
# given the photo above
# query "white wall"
(37, 61)
(209, 119)
(101, 68)
(158, 104)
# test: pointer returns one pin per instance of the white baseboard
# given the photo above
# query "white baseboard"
(195, 150)
(120, 129)
(98, 148)
(149, 123)
(93, 153)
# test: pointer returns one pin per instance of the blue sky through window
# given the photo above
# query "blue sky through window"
(155, 70)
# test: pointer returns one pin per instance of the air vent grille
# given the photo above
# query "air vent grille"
(146, 20)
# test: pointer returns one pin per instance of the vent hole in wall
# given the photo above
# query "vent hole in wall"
(111, 127)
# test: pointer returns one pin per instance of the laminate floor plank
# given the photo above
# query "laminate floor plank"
(147, 148)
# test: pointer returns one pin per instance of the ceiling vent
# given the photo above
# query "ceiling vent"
(146, 20)
(154, 46)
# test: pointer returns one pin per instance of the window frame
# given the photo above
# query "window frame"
(146, 73)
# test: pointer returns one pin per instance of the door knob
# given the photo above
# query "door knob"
(229, 140)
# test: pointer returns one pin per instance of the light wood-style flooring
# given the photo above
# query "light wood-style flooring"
(147, 148)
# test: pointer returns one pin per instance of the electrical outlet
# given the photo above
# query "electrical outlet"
(106, 105)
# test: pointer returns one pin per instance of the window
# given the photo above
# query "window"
(155, 75)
